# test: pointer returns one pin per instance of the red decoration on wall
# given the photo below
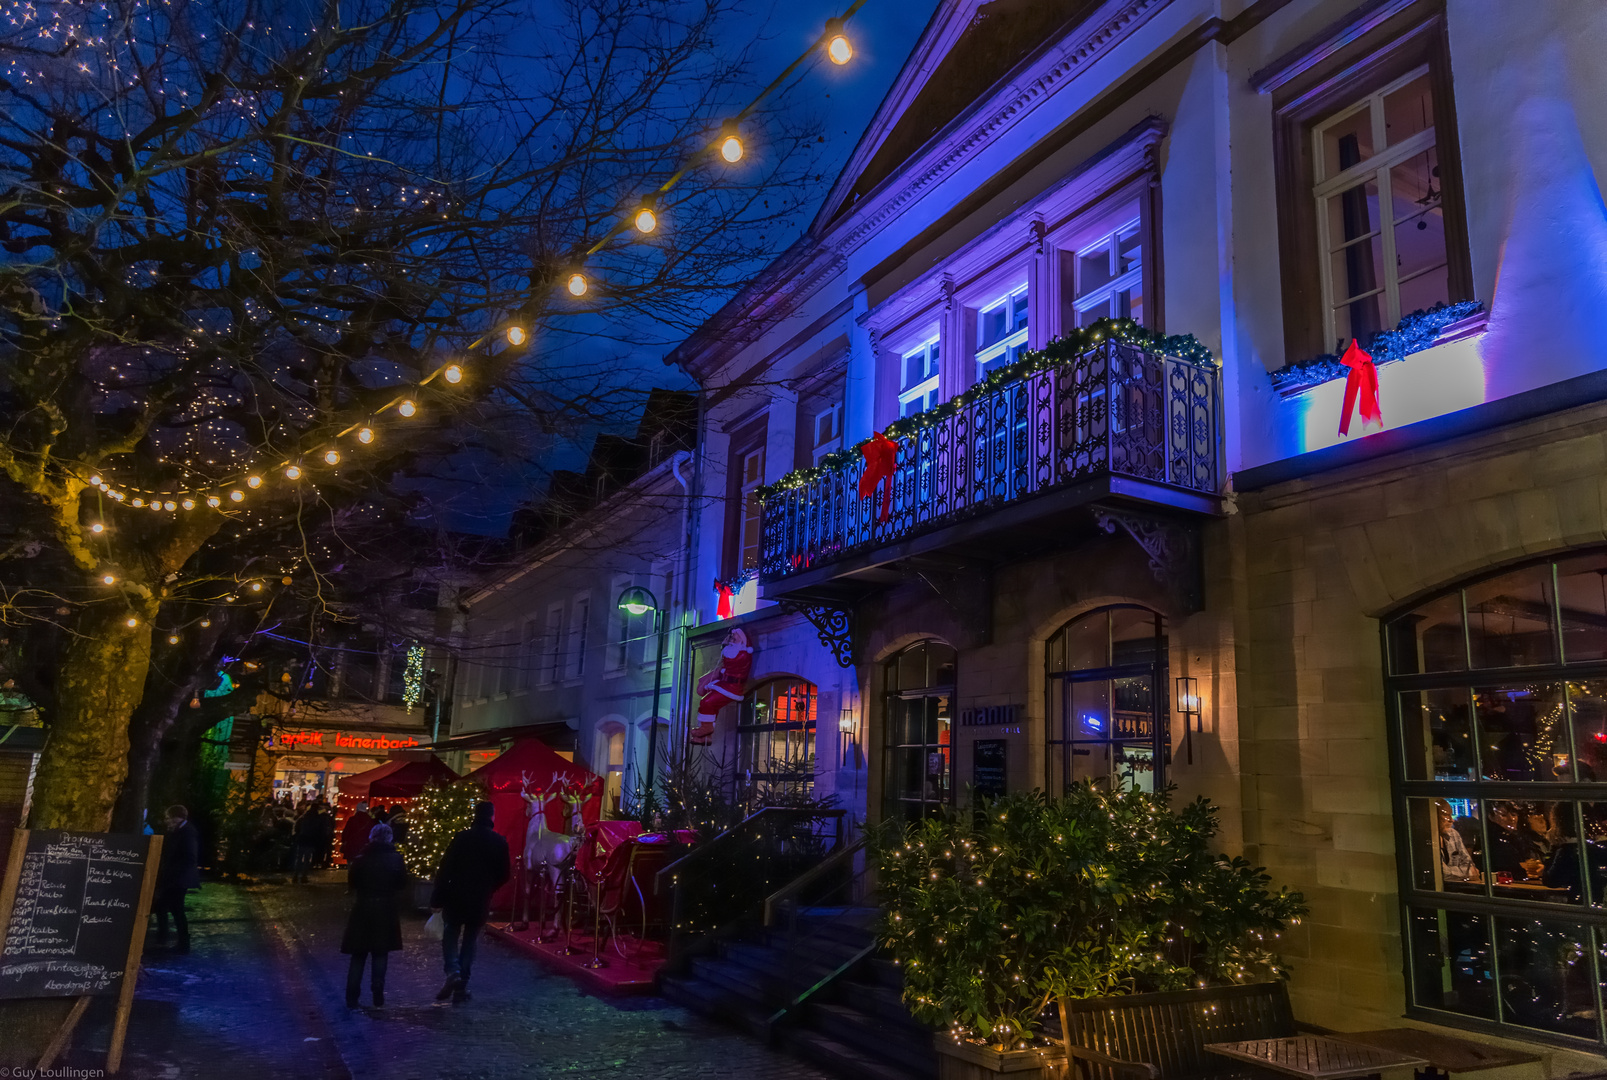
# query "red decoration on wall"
(723, 610)
(1361, 389)
(723, 685)
(881, 458)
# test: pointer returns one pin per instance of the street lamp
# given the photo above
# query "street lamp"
(638, 601)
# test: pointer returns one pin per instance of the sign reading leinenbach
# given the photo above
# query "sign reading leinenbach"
(77, 903)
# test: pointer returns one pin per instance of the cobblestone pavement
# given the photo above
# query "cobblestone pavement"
(262, 996)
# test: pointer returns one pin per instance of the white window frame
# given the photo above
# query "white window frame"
(1015, 337)
(833, 415)
(575, 645)
(1120, 280)
(529, 656)
(922, 395)
(750, 525)
(1378, 166)
(552, 641)
(619, 624)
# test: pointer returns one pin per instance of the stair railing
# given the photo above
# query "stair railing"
(717, 886)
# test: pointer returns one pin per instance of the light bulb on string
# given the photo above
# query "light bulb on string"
(170, 505)
(213, 501)
(730, 142)
(253, 481)
(172, 639)
(109, 579)
(516, 336)
(407, 408)
(576, 284)
(646, 220)
(237, 495)
(156, 505)
(332, 457)
(205, 623)
(293, 472)
(94, 481)
(138, 501)
(452, 373)
(365, 435)
(131, 622)
(97, 528)
(838, 47)
(188, 504)
(256, 586)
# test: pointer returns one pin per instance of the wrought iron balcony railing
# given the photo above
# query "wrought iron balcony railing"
(1114, 412)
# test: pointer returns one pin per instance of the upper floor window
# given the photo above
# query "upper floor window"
(748, 536)
(918, 379)
(828, 433)
(1380, 215)
(578, 617)
(1001, 331)
(1110, 277)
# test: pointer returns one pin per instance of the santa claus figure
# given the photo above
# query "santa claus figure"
(723, 685)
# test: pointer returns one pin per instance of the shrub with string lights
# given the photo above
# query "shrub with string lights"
(998, 914)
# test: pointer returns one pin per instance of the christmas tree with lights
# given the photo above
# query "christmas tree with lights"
(439, 813)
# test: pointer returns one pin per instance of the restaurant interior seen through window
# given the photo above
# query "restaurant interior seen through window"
(776, 736)
(919, 686)
(1108, 706)
(1498, 695)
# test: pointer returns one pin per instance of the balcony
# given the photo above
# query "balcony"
(1011, 472)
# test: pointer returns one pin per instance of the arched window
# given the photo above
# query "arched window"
(919, 770)
(1108, 707)
(776, 735)
(611, 755)
(1497, 694)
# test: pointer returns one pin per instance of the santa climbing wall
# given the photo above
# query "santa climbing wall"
(724, 685)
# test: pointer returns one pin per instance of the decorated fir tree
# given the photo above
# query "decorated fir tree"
(439, 813)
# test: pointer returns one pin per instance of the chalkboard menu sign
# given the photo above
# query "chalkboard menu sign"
(75, 903)
(987, 767)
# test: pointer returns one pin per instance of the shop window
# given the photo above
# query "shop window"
(918, 730)
(918, 378)
(776, 737)
(1001, 331)
(1498, 700)
(1108, 706)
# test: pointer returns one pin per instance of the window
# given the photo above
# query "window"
(1108, 706)
(1001, 331)
(749, 535)
(828, 433)
(552, 644)
(1380, 214)
(776, 737)
(919, 684)
(613, 762)
(503, 659)
(529, 655)
(1110, 277)
(578, 616)
(620, 626)
(1497, 694)
(918, 378)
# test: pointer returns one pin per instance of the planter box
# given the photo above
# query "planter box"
(968, 1061)
(421, 895)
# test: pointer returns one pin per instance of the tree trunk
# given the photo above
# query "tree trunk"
(101, 680)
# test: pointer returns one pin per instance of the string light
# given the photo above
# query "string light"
(97, 528)
(94, 481)
(131, 622)
(730, 142)
(838, 47)
(138, 501)
(453, 374)
(253, 481)
(365, 435)
(109, 579)
(256, 586)
(646, 220)
(293, 472)
(188, 504)
(205, 623)
(213, 501)
(516, 336)
(170, 505)
(172, 639)
(576, 284)
(332, 457)
(237, 495)
(407, 408)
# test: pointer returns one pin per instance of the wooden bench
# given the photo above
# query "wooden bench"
(1163, 1036)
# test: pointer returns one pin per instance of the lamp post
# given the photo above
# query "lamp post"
(637, 600)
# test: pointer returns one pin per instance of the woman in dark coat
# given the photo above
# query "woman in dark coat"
(375, 926)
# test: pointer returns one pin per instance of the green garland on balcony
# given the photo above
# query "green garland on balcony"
(1061, 350)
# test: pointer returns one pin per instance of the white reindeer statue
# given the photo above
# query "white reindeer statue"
(545, 847)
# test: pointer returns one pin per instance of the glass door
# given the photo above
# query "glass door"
(1107, 703)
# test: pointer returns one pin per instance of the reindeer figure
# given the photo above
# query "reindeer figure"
(545, 847)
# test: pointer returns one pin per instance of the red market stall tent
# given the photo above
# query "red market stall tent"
(533, 762)
(395, 783)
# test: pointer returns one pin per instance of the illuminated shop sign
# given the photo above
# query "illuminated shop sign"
(990, 716)
(320, 740)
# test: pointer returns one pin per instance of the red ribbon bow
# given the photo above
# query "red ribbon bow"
(723, 611)
(881, 458)
(1362, 381)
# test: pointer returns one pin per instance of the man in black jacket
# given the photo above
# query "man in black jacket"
(177, 873)
(475, 866)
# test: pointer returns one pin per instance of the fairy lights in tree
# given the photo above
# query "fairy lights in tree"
(413, 677)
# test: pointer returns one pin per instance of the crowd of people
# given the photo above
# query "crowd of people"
(1525, 844)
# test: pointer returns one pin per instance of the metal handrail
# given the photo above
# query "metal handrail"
(699, 853)
(808, 877)
(802, 998)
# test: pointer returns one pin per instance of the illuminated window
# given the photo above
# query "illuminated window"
(776, 736)
(918, 378)
(1108, 706)
(918, 729)
(828, 433)
(1110, 277)
(613, 758)
(1001, 331)
(1380, 218)
(1498, 697)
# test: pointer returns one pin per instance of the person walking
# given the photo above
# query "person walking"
(355, 834)
(178, 871)
(309, 835)
(374, 928)
(475, 866)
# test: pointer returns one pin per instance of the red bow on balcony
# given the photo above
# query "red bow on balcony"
(1363, 382)
(723, 611)
(881, 458)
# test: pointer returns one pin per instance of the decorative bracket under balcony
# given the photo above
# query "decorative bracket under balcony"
(1172, 546)
(835, 625)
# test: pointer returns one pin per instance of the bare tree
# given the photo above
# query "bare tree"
(240, 234)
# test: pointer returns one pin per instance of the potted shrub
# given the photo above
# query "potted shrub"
(1001, 913)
